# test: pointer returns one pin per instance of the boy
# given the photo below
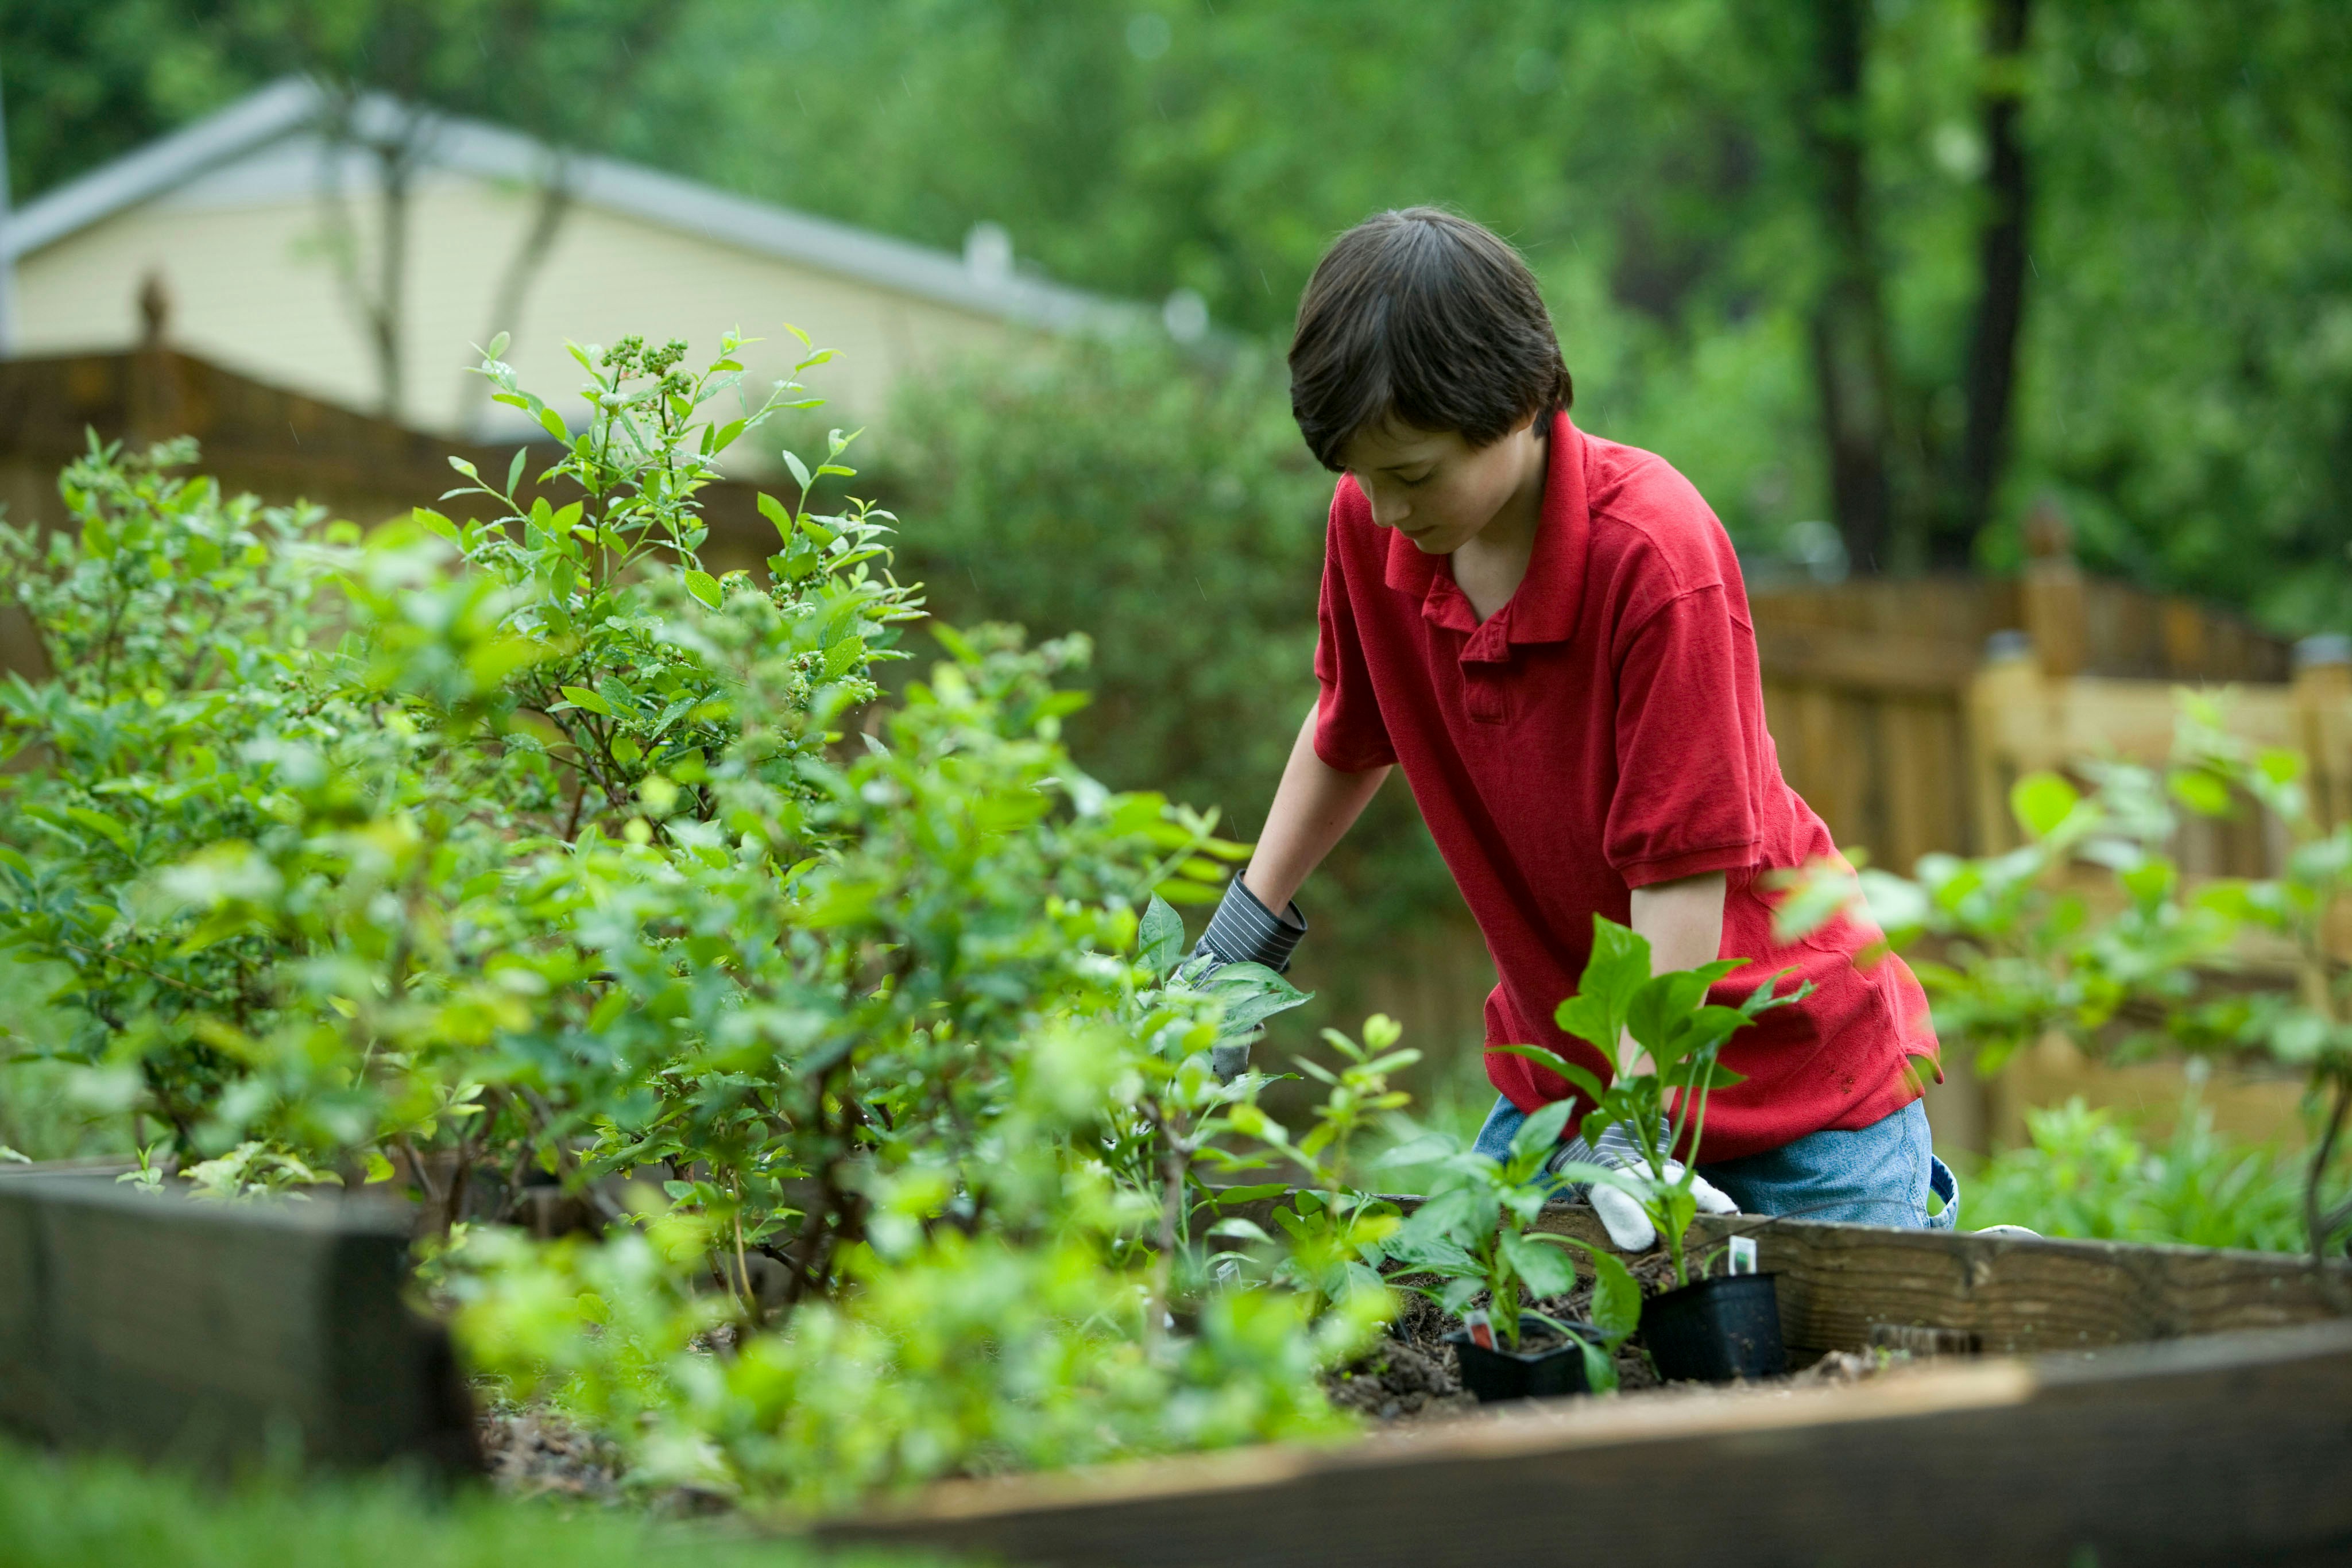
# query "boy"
(1548, 633)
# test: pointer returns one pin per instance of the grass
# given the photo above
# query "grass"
(102, 1513)
(2090, 1175)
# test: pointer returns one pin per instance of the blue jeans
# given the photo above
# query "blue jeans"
(1878, 1174)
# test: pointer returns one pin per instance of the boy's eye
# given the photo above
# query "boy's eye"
(1420, 478)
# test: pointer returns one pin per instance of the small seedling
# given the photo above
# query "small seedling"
(1476, 1234)
(1335, 1230)
(1624, 1012)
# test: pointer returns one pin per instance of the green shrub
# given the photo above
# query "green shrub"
(95, 1512)
(2088, 1174)
(471, 851)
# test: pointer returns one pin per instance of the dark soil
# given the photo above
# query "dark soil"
(1413, 1374)
(534, 1452)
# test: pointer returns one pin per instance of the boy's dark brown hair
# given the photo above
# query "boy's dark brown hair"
(1426, 318)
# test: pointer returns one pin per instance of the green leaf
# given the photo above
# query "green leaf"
(1587, 1083)
(1546, 1271)
(1616, 1297)
(2043, 801)
(1229, 1195)
(1162, 934)
(1618, 968)
(2200, 791)
(776, 513)
(514, 469)
(843, 657)
(1600, 1367)
(703, 586)
(106, 827)
(1541, 1130)
(801, 473)
(580, 697)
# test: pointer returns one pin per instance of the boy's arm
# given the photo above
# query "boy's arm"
(1313, 806)
(1683, 919)
(1313, 809)
(1683, 922)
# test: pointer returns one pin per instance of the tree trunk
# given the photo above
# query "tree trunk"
(1991, 375)
(1852, 369)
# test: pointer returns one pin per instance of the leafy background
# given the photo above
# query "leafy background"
(2185, 365)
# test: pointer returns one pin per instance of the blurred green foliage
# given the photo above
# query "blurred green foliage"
(2186, 371)
(98, 1512)
(1160, 502)
(2091, 929)
(2090, 1174)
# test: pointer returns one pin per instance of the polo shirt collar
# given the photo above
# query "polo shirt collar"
(1544, 608)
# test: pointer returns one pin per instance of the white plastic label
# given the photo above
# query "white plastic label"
(1743, 1255)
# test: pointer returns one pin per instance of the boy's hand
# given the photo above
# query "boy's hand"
(1620, 1214)
(1244, 931)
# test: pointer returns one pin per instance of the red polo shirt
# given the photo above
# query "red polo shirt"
(1602, 731)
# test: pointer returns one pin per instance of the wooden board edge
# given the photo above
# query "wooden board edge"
(2164, 1395)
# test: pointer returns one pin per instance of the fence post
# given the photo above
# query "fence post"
(2323, 700)
(2006, 702)
(2053, 592)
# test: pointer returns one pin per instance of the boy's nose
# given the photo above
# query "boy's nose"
(1389, 514)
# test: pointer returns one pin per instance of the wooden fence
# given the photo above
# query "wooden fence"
(1878, 692)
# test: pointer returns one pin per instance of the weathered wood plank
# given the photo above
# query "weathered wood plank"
(2015, 1294)
(1866, 660)
(2018, 1294)
(2230, 1450)
(215, 1333)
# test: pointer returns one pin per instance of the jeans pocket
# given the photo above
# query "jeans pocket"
(1946, 1185)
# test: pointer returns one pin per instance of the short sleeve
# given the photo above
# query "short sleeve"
(1349, 732)
(1684, 803)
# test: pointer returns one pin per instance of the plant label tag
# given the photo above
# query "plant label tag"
(1743, 1255)
(1482, 1330)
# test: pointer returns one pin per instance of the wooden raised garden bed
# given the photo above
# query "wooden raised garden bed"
(2080, 1403)
(209, 1334)
(2091, 1402)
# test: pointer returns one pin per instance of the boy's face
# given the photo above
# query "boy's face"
(1434, 486)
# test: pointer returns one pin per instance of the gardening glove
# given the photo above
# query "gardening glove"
(1244, 931)
(1621, 1213)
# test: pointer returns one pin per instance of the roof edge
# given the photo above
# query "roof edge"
(262, 116)
(487, 150)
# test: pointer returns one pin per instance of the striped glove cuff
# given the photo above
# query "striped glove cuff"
(1244, 931)
(1615, 1148)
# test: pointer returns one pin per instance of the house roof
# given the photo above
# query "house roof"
(295, 107)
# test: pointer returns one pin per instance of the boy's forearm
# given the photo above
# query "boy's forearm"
(1683, 921)
(1313, 809)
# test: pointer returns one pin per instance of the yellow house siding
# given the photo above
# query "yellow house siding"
(252, 287)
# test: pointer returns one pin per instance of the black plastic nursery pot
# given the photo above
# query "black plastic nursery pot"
(1498, 1374)
(1713, 1331)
